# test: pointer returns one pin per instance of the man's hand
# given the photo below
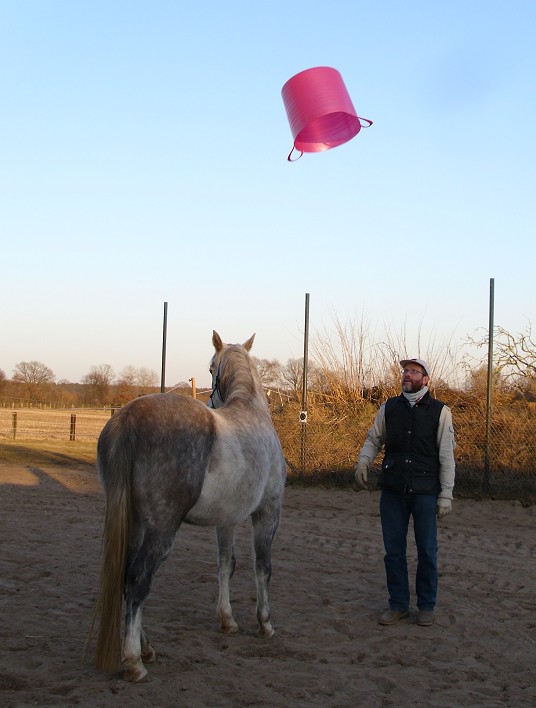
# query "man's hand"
(444, 507)
(361, 473)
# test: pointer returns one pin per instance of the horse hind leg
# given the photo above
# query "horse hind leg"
(138, 578)
(135, 670)
(226, 568)
(148, 654)
(264, 528)
(137, 652)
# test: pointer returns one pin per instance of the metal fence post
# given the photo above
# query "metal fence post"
(303, 412)
(489, 396)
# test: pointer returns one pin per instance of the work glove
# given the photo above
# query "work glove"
(444, 507)
(361, 473)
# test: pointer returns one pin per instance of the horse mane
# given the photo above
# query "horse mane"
(239, 378)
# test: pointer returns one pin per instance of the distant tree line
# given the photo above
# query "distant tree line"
(34, 382)
(346, 368)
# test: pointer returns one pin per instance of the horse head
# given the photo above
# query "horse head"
(220, 374)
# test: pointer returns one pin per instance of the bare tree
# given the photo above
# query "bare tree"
(128, 376)
(292, 377)
(147, 380)
(126, 383)
(33, 375)
(514, 358)
(269, 371)
(98, 380)
(515, 354)
(137, 381)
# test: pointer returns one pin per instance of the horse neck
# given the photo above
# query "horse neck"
(244, 387)
(249, 393)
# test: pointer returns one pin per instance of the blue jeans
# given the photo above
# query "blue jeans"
(395, 511)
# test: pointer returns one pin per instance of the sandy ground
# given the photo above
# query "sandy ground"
(327, 593)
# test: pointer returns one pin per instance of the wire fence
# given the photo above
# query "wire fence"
(325, 448)
(501, 465)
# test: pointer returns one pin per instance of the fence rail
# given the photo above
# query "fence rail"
(54, 424)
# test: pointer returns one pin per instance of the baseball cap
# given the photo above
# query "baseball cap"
(420, 362)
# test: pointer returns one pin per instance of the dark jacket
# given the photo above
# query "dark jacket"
(411, 461)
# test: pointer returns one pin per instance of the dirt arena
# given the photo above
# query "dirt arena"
(327, 592)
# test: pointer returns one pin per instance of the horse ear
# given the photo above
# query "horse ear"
(216, 341)
(247, 345)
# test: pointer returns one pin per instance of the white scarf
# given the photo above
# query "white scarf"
(413, 398)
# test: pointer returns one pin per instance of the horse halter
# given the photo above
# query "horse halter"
(216, 390)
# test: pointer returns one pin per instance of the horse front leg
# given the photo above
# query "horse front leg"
(264, 528)
(226, 568)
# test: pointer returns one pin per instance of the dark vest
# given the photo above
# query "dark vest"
(411, 461)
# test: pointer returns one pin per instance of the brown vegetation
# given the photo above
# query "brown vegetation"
(349, 375)
(325, 449)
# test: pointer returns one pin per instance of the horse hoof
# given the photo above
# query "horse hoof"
(148, 655)
(136, 674)
(229, 628)
(266, 631)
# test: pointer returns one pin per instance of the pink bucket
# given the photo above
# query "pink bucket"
(320, 111)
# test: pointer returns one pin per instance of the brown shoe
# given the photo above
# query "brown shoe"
(425, 618)
(392, 616)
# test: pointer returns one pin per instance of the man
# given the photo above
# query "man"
(416, 479)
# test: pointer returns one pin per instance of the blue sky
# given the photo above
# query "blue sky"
(143, 160)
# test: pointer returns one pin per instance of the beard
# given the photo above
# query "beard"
(411, 387)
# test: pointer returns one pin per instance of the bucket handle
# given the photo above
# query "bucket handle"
(364, 122)
(295, 159)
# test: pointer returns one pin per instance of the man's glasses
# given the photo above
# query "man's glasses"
(413, 372)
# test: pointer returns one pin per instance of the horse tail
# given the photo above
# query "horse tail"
(115, 455)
